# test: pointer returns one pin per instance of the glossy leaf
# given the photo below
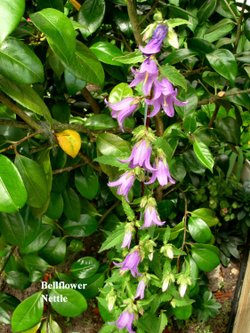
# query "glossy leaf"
(174, 76)
(207, 215)
(247, 28)
(200, 45)
(33, 263)
(84, 267)
(34, 179)
(219, 30)
(100, 122)
(39, 241)
(10, 15)
(86, 226)
(229, 128)
(25, 96)
(59, 32)
(69, 141)
(12, 228)
(57, 4)
(55, 208)
(54, 251)
(87, 183)
(91, 15)
(178, 56)
(205, 256)
(73, 84)
(94, 283)
(50, 327)
(199, 230)
(203, 154)
(224, 63)
(130, 58)
(74, 305)
(19, 63)
(106, 52)
(119, 92)
(72, 204)
(111, 144)
(13, 194)
(28, 313)
(206, 10)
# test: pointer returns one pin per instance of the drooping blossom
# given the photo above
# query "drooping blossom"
(123, 109)
(130, 263)
(140, 156)
(154, 45)
(151, 217)
(162, 173)
(140, 289)
(147, 74)
(164, 97)
(125, 320)
(124, 183)
(127, 237)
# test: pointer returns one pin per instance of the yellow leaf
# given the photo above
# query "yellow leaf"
(69, 141)
(33, 329)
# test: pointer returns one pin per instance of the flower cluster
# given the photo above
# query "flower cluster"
(157, 94)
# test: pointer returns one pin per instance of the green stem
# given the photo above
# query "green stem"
(238, 33)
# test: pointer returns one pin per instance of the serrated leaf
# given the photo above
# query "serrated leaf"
(203, 154)
(174, 76)
(69, 141)
(130, 58)
(113, 239)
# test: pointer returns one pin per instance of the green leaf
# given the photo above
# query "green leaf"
(28, 313)
(94, 284)
(72, 206)
(200, 45)
(209, 307)
(19, 63)
(199, 230)
(247, 28)
(174, 76)
(86, 226)
(17, 280)
(34, 179)
(73, 84)
(203, 154)
(59, 32)
(84, 267)
(183, 312)
(55, 208)
(25, 96)
(54, 251)
(100, 122)
(206, 10)
(87, 183)
(206, 257)
(74, 305)
(111, 160)
(207, 215)
(130, 58)
(113, 239)
(230, 129)
(177, 56)
(10, 15)
(57, 4)
(13, 194)
(91, 15)
(224, 63)
(111, 144)
(219, 30)
(106, 52)
(39, 241)
(12, 228)
(50, 327)
(86, 66)
(119, 92)
(33, 262)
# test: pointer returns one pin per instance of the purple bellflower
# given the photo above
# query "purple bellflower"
(140, 289)
(151, 217)
(165, 98)
(154, 45)
(124, 183)
(147, 74)
(162, 174)
(140, 156)
(127, 238)
(131, 263)
(125, 320)
(123, 109)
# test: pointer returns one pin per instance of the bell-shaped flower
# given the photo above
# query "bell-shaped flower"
(125, 320)
(140, 156)
(129, 229)
(123, 109)
(155, 43)
(162, 173)
(164, 98)
(147, 74)
(140, 289)
(131, 263)
(151, 217)
(124, 183)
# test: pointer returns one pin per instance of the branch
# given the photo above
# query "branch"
(134, 21)
(238, 33)
(14, 145)
(75, 4)
(109, 211)
(221, 95)
(153, 7)
(18, 111)
(92, 102)
(13, 123)
(67, 169)
(88, 161)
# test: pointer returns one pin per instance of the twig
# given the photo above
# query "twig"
(88, 161)
(76, 4)
(14, 145)
(67, 169)
(211, 122)
(238, 33)
(221, 95)
(195, 71)
(13, 123)
(184, 230)
(92, 102)
(13, 107)
(131, 4)
(150, 12)
(109, 211)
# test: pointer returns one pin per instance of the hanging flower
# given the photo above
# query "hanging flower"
(131, 263)
(127, 236)
(125, 320)
(140, 156)
(151, 217)
(147, 74)
(155, 43)
(162, 173)
(140, 289)
(164, 97)
(123, 109)
(124, 183)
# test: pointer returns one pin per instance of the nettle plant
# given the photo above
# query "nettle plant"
(138, 212)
